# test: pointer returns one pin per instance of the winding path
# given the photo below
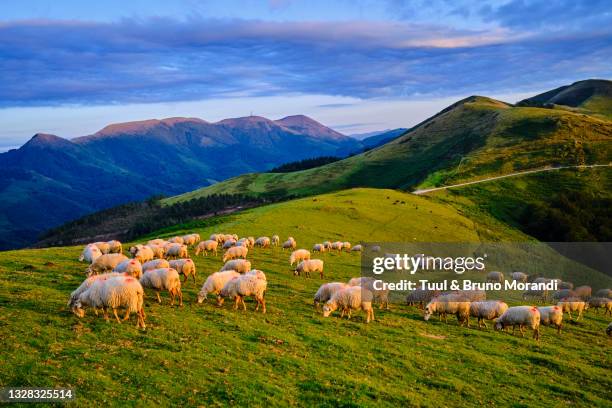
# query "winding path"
(518, 173)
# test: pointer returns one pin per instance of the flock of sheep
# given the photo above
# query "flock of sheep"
(117, 282)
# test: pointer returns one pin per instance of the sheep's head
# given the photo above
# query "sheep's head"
(201, 297)
(77, 309)
(498, 325)
(329, 308)
(428, 312)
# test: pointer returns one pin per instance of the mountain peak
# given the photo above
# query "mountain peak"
(574, 95)
(142, 126)
(45, 140)
(304, 125)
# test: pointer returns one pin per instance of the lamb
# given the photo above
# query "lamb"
(380, 295)
(144, 254)
(495, 277)
(215, 282)
(349, 299)
(114, 247)
(520, 316)
(275, 240)
(346, 245)
(229, 243)
(326, 291)
(106, 262)
(131, 267)
(113, 293)
(601, 302)
(238, 265)
(155, 264)
(185, 267)
(575, 304)
(318, 248)
(177, 251)
(299, 255)
(74, 296)
(551, 315)
(235, 252)
(163, 279)
(519, 277)
(583, 292)
(289, 244)
(449, 304)
(308, 266)
(487, 310)
(419, 297)
(176, 240)
(104, 247)
(191, 239)
(244, 286)
(262, 242)
(205, 246)
(357, 248)
(90, 253)
(607, 293)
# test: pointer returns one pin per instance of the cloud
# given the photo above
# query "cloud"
(51, 63)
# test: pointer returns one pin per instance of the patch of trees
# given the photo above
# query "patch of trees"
(304, 164)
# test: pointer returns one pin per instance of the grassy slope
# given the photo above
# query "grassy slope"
(292, 356)
(475, 138)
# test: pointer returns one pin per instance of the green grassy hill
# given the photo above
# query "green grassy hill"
(204, 355)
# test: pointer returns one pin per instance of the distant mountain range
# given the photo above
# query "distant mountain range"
(50, 180)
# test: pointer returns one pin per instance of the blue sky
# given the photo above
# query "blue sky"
(71, 67)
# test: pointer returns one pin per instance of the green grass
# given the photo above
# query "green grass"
(204, 355)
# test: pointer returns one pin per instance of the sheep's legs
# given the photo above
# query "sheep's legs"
(237, 302)
(194, 280)
(158, 297)
(117, 316)
(127, 315)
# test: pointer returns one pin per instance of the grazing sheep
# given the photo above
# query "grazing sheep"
(113, 293)
(299, 255)
(104, 247)
(144, 254)
(487, 310)
(244, 286)
(583, 292)
(375, 248)
(157, 241)
(519, 277)
(327, 245)
(238, 265)
(275, 240)
(565, 285)
(308, 266)
(134, 249)
(191, 239)
(337, 246)
(251, 242)
(289, 244)
(205, 246)
(449, 304)
(601, 303)
(215, 282)
(535, 294)
(235, 252)
(357, 248)
(349, 299)
(163, 279)
(607, 293)
(346, 245)
(177, 251)
(74, 296)
(326, 291)
(159, 251)
(575, 304)
(130, 266)
(419, 297)
(229, 243)
(262, 242)
(114, 247)
(176, 240)
(495, 277)
(90, 253)
(155, 264)
(217, 237)
(380, 295)
(551, 315)
(242, 242)
(185, 267)
(520, 316)
(318, 248)
(562, 294)
(104, 263)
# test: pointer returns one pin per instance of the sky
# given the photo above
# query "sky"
(71, 67)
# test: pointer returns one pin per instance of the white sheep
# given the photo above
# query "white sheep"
(357, 248)
(551, 315)
(350, 299)
(114, 247)
(104, 247)
(163, 279)
(238, 265)
(337, 246)
(258, 273)
(601, 302)
(487, 310)
(90, 253)
(244, 286)
(375, 248)
(215, 282)
(327, 245)
(133, 249)
(570, 305)
(318, 248)
(185, 267)
(205, 246)
(113, 293)
(159, 251)
(155, 264)
(519, 277)
(419, 297)
(449, 304)
(299, 255)
(157, 241)
(104, 263)
(144, 254)
(176, 240)
(275, 240)
(86, 284)
(584, 292)
(229, 243)
(217, 237)
(251, 241)
(380, 295)
(191, 239)
(346, 245)
(308, 266)
(235, 252)
(262, 242)
(130, 266)
(521, 316)
(289, 244)
(326, 291)
(176, 250)
(495, 277)
(606, 293)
